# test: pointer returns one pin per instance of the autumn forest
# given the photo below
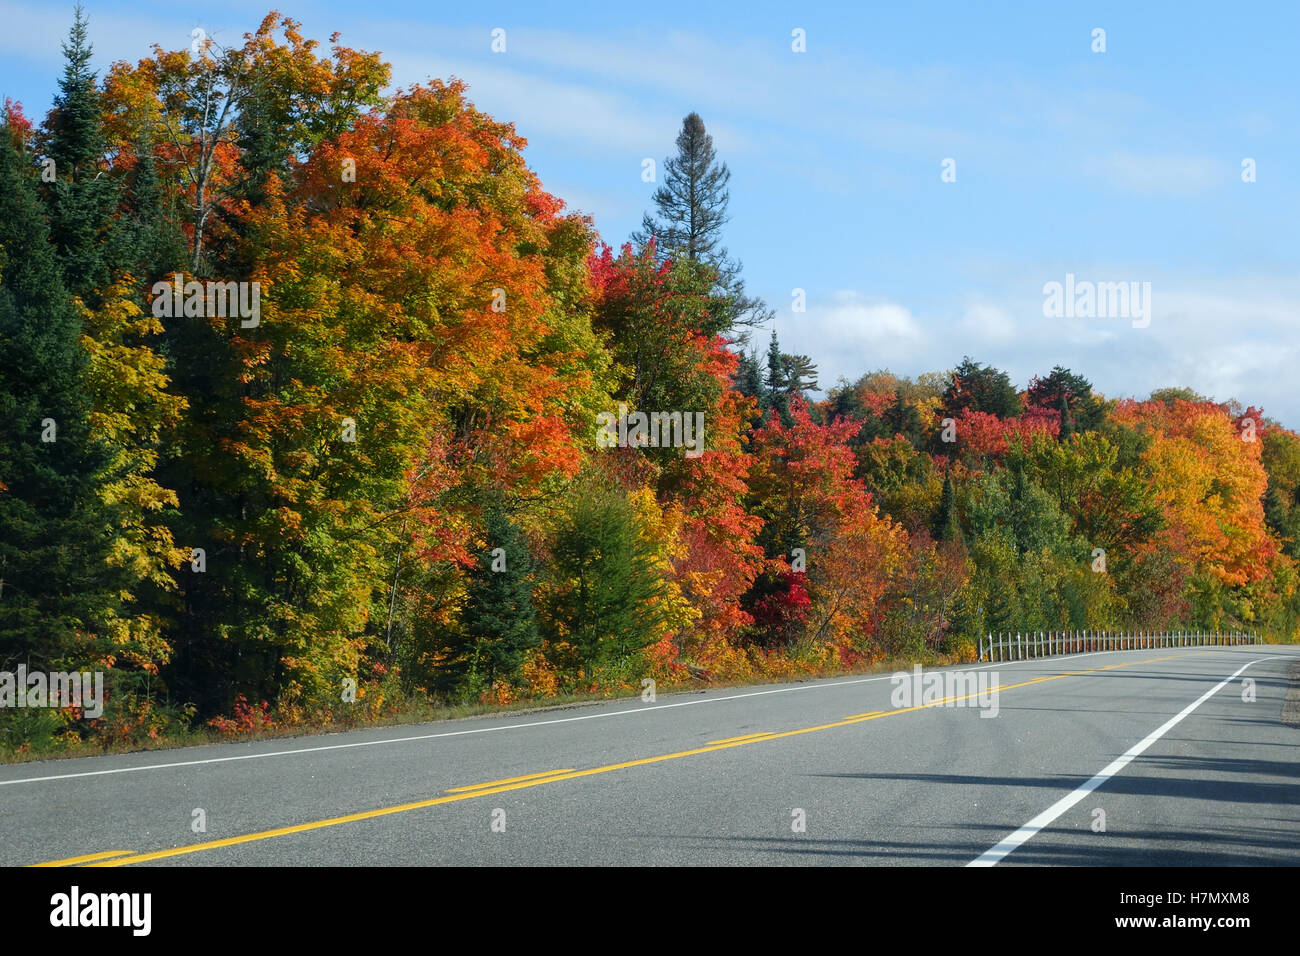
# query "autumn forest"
(301, 410)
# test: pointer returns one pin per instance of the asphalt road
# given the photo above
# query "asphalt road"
(1184, 770)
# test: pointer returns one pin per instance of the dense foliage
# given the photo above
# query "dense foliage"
(390, 480)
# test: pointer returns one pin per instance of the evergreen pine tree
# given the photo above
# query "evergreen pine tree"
(981, 388)
(748, 379)
(52, 531)
(947, 524)
(82, 198)
(902, 418)
(499, 620)
(1086, 412)
(1067, 420)
(800, 374)
(146, 242)
(1019, 510)
(263, 151)
(775, 385)
(692, 209)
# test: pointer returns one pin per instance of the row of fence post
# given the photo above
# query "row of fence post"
(1019, 647)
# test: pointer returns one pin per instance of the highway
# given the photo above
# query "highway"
(1109, 759)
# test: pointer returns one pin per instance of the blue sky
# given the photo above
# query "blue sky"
(1115, 166)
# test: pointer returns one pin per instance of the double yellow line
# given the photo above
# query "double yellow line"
(534, 777)
(116, 857)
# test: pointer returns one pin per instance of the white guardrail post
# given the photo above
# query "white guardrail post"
(1031, 645)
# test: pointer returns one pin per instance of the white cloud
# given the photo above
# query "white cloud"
(570, 113)
(851, 334)
(1235, 337)
(988, 322)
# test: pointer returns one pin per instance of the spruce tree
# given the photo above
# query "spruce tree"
(947, 524)
(776, 385)
(691, 210)
(981, 388)
(146, 242)
(499, 620)
(82, 198)
(1087, 413)
(902, 418)
(748, 378)
(52, 530)
(1067, 420)
(692, 201)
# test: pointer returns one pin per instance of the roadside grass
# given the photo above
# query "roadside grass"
(415, 711)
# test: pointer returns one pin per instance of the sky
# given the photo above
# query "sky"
(1123, 165)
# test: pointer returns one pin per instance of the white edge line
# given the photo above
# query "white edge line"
(520, 726)
(994, 854)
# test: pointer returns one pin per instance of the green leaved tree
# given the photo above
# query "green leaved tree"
(604, 579)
